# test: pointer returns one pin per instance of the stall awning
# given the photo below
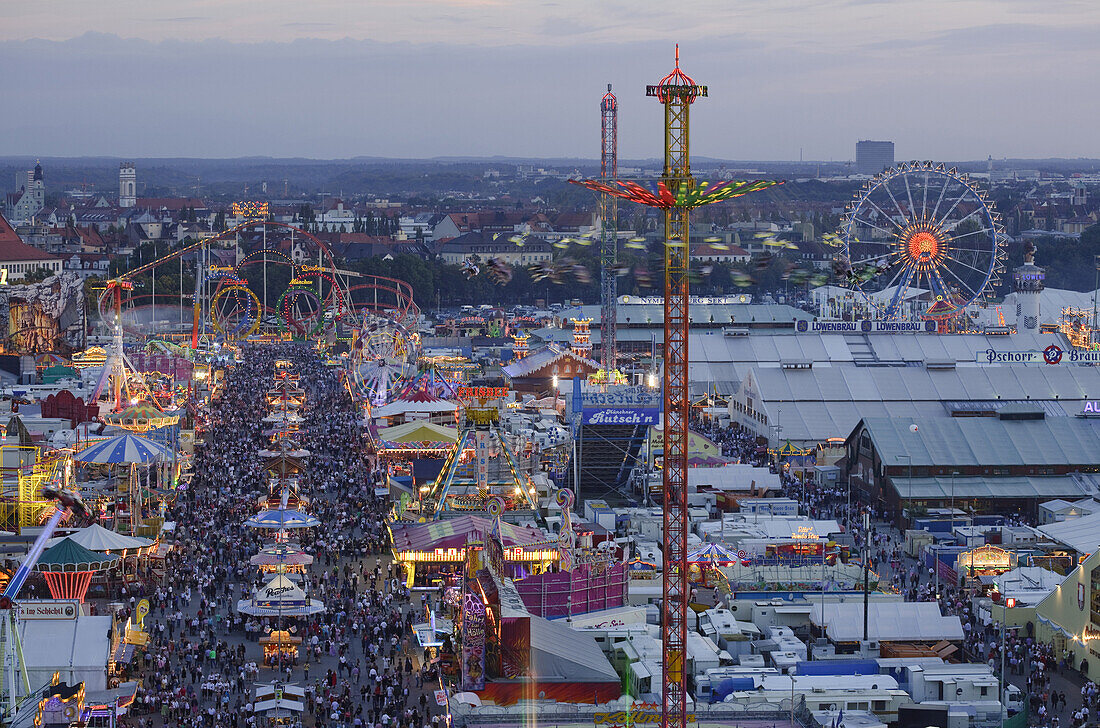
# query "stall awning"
(124, 653)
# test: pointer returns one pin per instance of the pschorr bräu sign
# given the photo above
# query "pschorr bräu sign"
(621, 416)
(1053, 354)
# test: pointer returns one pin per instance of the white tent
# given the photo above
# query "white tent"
(97, 538)
(887, 622)
(77, 648)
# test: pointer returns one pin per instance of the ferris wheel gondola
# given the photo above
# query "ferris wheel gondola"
(921, 241)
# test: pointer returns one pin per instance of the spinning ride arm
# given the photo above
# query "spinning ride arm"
(69, 503)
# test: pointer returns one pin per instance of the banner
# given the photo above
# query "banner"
(864, 326)
(473, 642)
(481, 440)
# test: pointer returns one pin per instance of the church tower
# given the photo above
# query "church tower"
(36, 189)
(127, 185)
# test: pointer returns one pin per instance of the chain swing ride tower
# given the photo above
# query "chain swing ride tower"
(676, 192)
(609, 219)
(676, 92)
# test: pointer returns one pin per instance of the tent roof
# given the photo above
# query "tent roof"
(1080, 534)
(280, 589)
(417, 431)
(281, 554)
(81, 644)
(126, 448)
(454, 532)
(562, 654)
(402, 406)
(282, 518)
(68, 555)
(888, 621)
(97, 538)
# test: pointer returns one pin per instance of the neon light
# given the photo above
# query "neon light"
(657, 194)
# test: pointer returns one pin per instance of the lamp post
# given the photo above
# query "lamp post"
(1005, 606)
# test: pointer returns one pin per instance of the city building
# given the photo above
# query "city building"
(873, 157)
(22, 205)
(17, 259)
(485, 245)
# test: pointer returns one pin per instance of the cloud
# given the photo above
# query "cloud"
(958, 93)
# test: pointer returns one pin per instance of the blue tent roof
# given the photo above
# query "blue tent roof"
(282, 518)
(712, 552)
(124, 449)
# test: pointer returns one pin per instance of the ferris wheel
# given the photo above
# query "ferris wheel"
(384, 356)
(921, 241)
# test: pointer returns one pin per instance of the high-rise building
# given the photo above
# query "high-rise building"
(873, 157)
(127, 185)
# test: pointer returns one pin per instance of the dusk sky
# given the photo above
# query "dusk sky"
(944, 79)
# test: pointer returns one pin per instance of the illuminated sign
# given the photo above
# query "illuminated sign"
(482, 416)
(311, 269)
(473, 642)
(617, 416)
(1092, 407)
(865, 327)
(632, 397)
(250, 210)
(805, 532)
(482, 392)
(516, 553)
(637, 717)
(300, 282)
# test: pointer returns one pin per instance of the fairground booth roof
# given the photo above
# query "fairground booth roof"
(453, 533)
(416, 435)
(69, 556)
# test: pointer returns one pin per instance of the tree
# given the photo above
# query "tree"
(38, 275)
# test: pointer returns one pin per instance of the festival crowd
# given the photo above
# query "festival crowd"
(355, 661)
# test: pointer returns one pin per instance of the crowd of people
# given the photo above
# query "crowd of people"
(204, 661)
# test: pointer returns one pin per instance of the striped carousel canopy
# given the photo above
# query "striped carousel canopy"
(123, 449)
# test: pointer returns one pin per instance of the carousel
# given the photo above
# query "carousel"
(279, 597)
(68, 568)
(282, 558)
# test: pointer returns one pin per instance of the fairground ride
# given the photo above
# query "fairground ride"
(922, 242)
(676, 193)
(482, 473)
(260, 280)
